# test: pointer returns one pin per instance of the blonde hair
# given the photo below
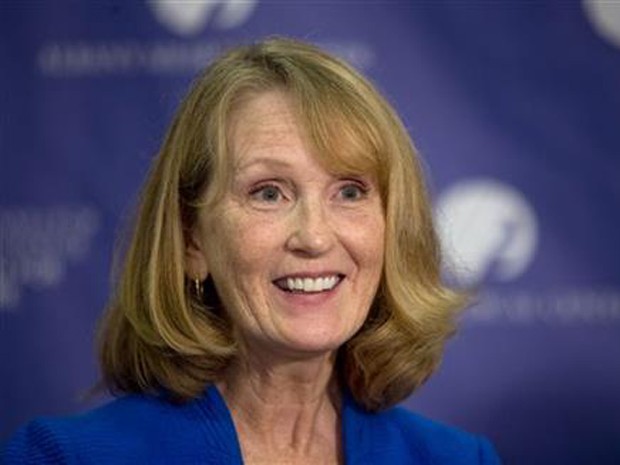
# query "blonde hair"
(158, 334)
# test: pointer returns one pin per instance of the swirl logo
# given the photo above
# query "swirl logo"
(605, 18)
(488, 231)
(187, 18)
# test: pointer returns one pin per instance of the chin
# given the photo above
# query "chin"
(312, 343)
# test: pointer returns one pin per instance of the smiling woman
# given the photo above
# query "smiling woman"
(295, 251)
(280, 291)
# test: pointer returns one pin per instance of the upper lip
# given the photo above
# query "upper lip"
(310, 274)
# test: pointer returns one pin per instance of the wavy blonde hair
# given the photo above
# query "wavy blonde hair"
(160, 334)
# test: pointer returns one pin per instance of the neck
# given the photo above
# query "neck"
(286, 408)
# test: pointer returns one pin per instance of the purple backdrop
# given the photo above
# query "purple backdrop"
(515, 107)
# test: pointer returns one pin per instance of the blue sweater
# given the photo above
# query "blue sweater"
(141, 429)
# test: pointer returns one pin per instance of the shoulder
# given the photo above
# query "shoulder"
(444, 443)
(131, 429)
(96, 434)
(406, 437)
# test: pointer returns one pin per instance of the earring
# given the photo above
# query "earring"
(198, 289)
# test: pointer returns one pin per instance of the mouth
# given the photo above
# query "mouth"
(309, 285)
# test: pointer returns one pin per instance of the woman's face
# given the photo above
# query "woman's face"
(296, 253)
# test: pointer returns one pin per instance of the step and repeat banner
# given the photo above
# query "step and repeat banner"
(515, 107)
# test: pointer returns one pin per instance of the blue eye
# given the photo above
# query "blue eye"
(352, 192)
(267, 193)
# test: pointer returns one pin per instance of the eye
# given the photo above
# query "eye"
(267, 193)
(353, 191)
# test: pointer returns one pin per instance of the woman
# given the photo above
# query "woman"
(281, 289)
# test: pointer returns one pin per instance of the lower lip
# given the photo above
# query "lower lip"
(310, 299)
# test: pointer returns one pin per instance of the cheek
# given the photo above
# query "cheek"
(242, 245)
(367, 240)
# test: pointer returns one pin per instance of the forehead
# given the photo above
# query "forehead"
(263, 123)
(274, 120)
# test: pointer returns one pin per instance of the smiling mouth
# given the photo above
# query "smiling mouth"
(307, 285)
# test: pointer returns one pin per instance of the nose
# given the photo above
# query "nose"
(312, 233)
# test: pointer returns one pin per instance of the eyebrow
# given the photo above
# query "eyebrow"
(241, 167)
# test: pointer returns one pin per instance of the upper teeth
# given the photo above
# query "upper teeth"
(311, 284)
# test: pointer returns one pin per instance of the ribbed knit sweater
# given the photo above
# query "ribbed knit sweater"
(141, 429)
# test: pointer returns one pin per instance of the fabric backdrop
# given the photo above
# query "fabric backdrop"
(514, 105)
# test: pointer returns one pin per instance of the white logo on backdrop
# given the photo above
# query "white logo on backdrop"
(488, 231)
(605, 18)
(81, 58)
(36, 244)
(187, 18)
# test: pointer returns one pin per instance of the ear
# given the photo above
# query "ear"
(195, 256)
